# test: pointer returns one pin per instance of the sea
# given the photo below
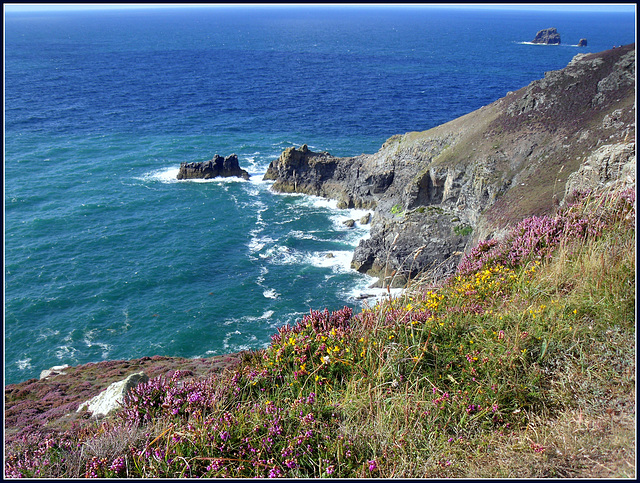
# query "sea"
(109, 257)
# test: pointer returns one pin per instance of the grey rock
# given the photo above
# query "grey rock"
(53, 371)
(113, 396)
(349, 223)
(607, 165)
(582, 43)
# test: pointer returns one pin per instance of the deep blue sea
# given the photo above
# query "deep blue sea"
(108, 256)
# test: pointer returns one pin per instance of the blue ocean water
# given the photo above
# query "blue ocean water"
(108, 256)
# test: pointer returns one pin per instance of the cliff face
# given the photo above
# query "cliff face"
(438, 192)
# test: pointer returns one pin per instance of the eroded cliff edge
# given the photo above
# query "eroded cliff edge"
(437, 193)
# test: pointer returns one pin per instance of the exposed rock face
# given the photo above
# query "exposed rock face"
(218, 166)
(437, 193)
(113, 396)
(547, 36)
(582, 43)
(609, 164)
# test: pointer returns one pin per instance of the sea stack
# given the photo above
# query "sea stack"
(547, 36)
(218, 166)
(582, 43)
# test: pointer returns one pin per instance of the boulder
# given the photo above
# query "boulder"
(349, 223)
(582, 43)
(365, 219)
(547, 36)
(113, 396)
(218, 166)
(54, 371)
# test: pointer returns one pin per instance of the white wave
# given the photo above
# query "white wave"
(281, 255)
(46, 333)
(165, 175)
(338, 261)
(258, 243)
(88, 340)
(364, 293)
(271, 294)
(301, 235)
(24, 363)
(550, 45)
(218, 180)
(235, 345)
(65, 351)
(263, 272)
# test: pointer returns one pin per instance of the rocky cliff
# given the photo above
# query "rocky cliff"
(437, 193)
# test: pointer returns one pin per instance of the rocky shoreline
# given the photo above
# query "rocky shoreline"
(435, 194)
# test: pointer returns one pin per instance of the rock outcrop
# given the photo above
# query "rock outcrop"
(113, 396)
(435, 194)
(582, 43)
(218, 166)
(53, 371)
(547, 36)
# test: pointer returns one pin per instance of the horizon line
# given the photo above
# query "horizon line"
(67, 7)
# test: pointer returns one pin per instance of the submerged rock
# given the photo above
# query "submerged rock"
(218, 166)
(547, 36)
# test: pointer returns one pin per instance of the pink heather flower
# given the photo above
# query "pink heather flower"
(372, 465)
(274, 473)
(118, 465)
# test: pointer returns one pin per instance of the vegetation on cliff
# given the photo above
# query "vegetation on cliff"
(522, 364)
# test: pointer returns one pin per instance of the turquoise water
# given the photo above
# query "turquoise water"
(108, 256)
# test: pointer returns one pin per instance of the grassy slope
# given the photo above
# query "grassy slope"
(523, 365)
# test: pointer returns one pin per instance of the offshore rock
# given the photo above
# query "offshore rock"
(582, 43)
(435, 194)
(113, 396)
(547, 36)
(218, 166)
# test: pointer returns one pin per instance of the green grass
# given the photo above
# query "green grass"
(522, 367)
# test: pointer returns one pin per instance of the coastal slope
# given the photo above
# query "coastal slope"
(436, 193)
